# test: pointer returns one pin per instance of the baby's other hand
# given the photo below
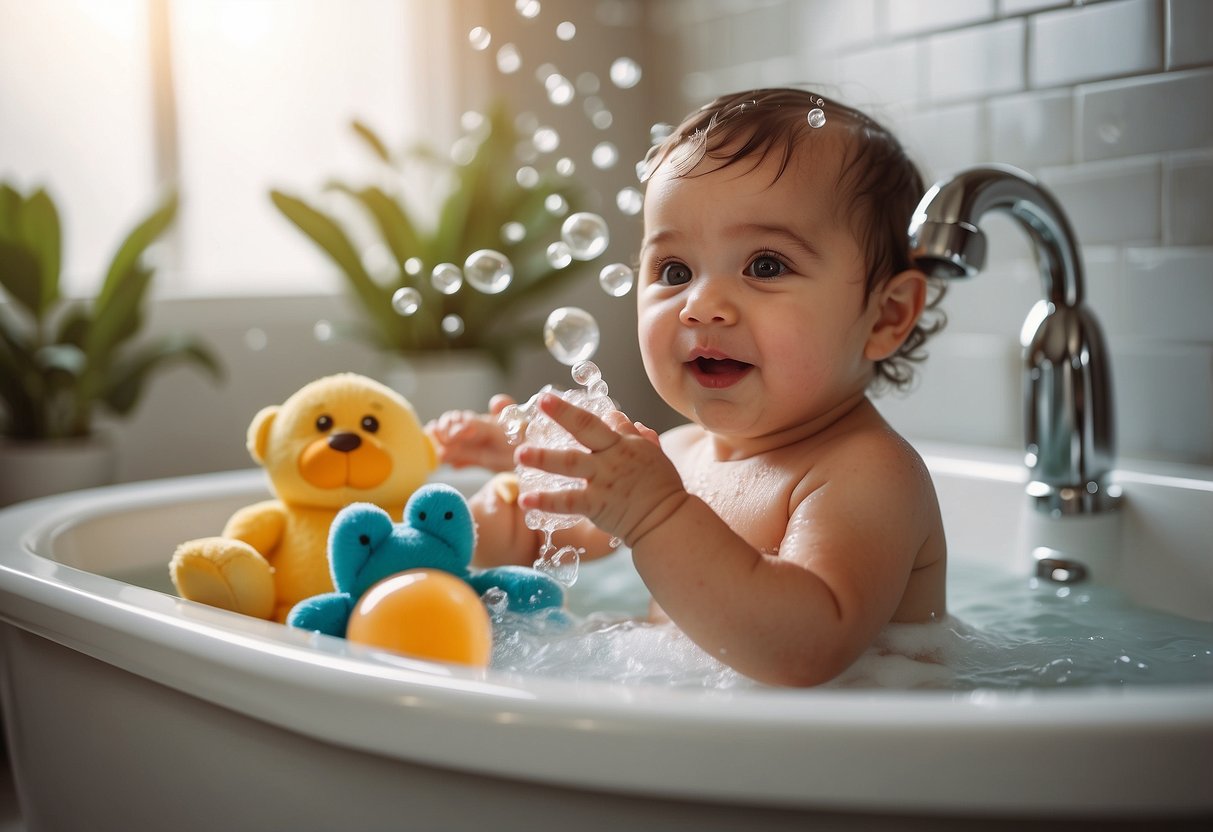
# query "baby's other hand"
(465, 437)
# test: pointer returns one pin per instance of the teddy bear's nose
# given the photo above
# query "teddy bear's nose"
(344, 442)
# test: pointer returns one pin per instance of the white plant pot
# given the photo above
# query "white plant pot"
(39, 468)
(437, 382)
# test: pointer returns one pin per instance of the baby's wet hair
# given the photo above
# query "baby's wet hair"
(879, 184)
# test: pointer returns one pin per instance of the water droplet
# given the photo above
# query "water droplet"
(561, 565)
(488, 271)
(480, 38)
(604, 155)
(586, 234)
(625, 73)
(571, 335)
(558, 255)
(556, 205)
(616, 279)
(256, 339)
(527, 177)
(496, 600)
(406, 301)
(566, 30)
(513, 232)
(322, 331)
(566, 166)
(446, 278)
(560, 89)
(527, 8)
(509, 60)
(630, 201)
(817, 117)
(546, 139)
(586, 373)
(452, 325)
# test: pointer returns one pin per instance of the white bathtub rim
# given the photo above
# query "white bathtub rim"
(482, 715)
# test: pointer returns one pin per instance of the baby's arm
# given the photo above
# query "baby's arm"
(465, 437)
(796, 618)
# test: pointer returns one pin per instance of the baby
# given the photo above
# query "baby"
(787, 523)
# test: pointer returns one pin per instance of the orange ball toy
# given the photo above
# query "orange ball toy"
(427, 614)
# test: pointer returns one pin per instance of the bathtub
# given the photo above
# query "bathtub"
(127, 708)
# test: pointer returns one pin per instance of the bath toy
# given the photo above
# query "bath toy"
(425, 613)
(437, 532)
(337, 440)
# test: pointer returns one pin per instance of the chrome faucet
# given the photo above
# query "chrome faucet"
(1069, 425)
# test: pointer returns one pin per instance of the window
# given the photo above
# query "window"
(106, 103)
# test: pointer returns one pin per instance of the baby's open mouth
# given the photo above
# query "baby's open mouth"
(718, 372)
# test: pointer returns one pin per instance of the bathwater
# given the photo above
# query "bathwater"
(1003, 631)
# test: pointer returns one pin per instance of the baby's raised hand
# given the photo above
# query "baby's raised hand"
(465, 437)
(630, 484)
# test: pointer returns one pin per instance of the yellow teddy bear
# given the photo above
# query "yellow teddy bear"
(338, 440)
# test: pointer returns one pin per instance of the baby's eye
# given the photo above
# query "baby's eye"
(675, 274)
(766, 266)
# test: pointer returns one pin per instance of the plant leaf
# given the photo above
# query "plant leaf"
(120, 318)
(41, 231)
(327, 234)
(372, 140)
(394, 223)
(10, 210)
(125, 383)
(15, 375)
(127, 257)
(19, 276)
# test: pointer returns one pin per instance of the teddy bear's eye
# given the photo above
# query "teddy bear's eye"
(363, 539)
(421, 515)
(370, 424)
(449, 515)
(324, 422)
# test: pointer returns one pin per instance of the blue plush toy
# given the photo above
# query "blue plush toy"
(437, 532)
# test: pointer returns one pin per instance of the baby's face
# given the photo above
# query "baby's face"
(751, 302)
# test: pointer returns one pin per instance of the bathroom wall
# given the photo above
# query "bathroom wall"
(1108, 103)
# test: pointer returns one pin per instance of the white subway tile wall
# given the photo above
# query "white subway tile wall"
(1110, 104)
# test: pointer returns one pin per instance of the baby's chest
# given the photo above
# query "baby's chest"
(752, 504)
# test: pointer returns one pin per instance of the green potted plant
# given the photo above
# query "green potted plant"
(62, 360)
(483, 207)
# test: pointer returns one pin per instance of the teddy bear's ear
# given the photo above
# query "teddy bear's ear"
(259, 433)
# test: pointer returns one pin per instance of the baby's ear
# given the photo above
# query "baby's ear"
(899, 304)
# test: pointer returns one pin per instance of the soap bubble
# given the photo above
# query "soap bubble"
(565, 166)
(566, 30)
(586, 373)
(562, 566)
(406, 301)
(659, 132)
(256, 339)
(463, 150)
(452, 325)
(513, 232)
(322, 331)
(616, 279)
(488, 271)
(571, 335)
(527, 177)
(556, 205)
(586, 235)
(625, 73)
(509, 60)
(546, 139)
(496, 599)
(604, 155)
(413, 266)
(817, 117)
(472, 121)
(480, 38)
(558, 255)
(630, 201)
(527, 8)
(602, 119)
(560, 89)
(446, 278)
(588, 83)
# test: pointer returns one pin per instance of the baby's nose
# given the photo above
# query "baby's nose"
(709, 302)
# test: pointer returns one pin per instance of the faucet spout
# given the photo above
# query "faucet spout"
(1069, 424)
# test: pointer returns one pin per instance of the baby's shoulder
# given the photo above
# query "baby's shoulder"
(677, 441)
(875, 458)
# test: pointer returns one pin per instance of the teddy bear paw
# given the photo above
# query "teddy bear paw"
(224, 573)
